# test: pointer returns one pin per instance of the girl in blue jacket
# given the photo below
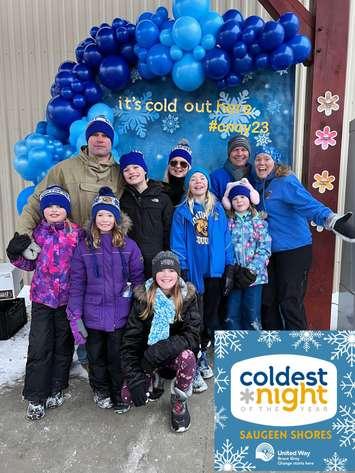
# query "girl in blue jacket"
(201, 240)
(252, 249)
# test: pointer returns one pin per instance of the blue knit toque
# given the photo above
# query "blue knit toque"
(100, 124)
(133, 157)
(55, 195)
(192, 171)
(106, 200)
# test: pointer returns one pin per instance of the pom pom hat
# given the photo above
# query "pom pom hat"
(106, 200)
(55, 195)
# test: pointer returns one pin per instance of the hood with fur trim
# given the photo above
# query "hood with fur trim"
(140, 293)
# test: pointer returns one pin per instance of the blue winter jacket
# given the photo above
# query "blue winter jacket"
(290, 208)
(183, 243)
(220, 178)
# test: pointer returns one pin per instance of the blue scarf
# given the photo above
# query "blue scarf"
(163, 315)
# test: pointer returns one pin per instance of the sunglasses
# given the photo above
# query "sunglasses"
(175, 163)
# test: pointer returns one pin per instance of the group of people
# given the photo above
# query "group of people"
(142, 272)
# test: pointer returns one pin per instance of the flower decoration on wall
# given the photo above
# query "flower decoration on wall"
(325, 138)
(328, 103)
(323, 182)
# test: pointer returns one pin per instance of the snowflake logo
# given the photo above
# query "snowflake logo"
(323, 182)
(246, 396)
(273, 107)
(306, 338)
(335, 463)
(232, 111)
(319, 228)
(228, 460)
(344, 426)
(227, 339)
(344, 342)
(170, 123)
(348, 385)
(220, 418)
(325, 138)
(262, 139)
(328, 103)
(221, 380)
(135, 76)
(135, 116)
(269, 337)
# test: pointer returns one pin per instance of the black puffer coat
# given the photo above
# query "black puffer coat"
(183, 335)
(151, 214)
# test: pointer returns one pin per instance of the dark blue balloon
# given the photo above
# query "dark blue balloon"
(248, 35)
(103, 25)
(64, 78)
(77, 86)
(114, 72)
(254, 22)
(158, 60)
(239, 49)
(78, 101)
(92, 55)
(57, 133)
(79, 52)
(122, 34)
(131, 32)
(228, 34)
(82, 72)
(105, 40)
(242, 65)
(221, 84)
(117, 22)
(272, 36)
(147, 15)
(147, 33)
(281, 58)
(54, 90)
(254, 49)
(127, 52)
(163, 12)
(61, 112)
(66, 66)
(233, 80)
(66, 92)
(92, 92)
(41, 127)
(301, 47)
(141, 53)
(144, 71)
(262, 61)
(93, 31)
(291, 24)
(158, 20)
(216, 63)
(233, 15)
(23, 197)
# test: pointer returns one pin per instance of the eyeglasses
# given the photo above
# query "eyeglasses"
(175, 163)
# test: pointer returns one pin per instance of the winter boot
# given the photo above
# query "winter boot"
(199, 385)
(156, 388)
(102, 400)
(35, 410)
(55, 400)
(180, 416)
(205, 369)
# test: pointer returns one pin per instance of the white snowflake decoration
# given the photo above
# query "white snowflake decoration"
(225, 340)
(348, 385)
(306, 339)
(262, 139)
(344, 426)
(220, 418)
(328, 103)
(170, 123)
(269, 337)
(228, 460)
(135, 118)
(246, 396)
(273, 107)
(335, 463)
(230, 120)
(221, 380)
(344, 342)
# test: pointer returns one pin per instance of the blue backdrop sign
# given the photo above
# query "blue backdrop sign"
(152, 116)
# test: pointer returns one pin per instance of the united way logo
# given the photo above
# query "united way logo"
(265, 452)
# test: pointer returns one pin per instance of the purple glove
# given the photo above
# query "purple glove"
(79, 331)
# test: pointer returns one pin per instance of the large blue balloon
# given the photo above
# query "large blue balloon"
(36, 139)
(186, 32)
(211, 23)
(233, 15)
(82, 72)
(272, 36)
(100, 109)
(105, 40)
(76, 128)
(188, 73)
(20, 148)
(61, 112)
(92, 92)
(21, 166)
(195, 8)
(228, 34)
(254, 22)
(301, 47)
(242, 65)
(158, 60)
(64, 78)
(282, 57)
(127, 52)
(78, 101)
(147, 33)
(39, 159)
(144, 71)
(66, 66)
(291, 24)
(92, 56)
(114, 72)
(23, 197)
(217, 63)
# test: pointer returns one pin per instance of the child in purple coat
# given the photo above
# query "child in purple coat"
(51, 346)
(106, 266)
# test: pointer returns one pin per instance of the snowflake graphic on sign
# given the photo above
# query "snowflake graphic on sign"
(229, 460)
(306, 339)
(220, 418)
(344, 426)
(227, 340)
(234, 110)
(221, 380)
(269, 337)
(348, 385)
(170, 123)
(344, 342)
(262, 139)
(335, 463)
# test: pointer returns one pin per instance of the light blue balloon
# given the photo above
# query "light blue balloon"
(23, 197)
(186, 32)
(20, 148)
(165, 38)
(115, 154)
(81, 141)
(69, 151)
(188, 74)
(208, 41)
(195, 8)
(199, 53)
(100, 109)
(211, 23)
(36, 139)
(39, 159)
(76, 128)
(176, 53)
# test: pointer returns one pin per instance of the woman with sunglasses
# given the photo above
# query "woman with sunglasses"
(178, 166)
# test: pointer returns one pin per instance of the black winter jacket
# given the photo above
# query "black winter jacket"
(151, 214)
(183, 335)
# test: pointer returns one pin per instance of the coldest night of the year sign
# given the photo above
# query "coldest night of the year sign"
(284, 401)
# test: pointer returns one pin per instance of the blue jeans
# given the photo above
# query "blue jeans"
(244, 308)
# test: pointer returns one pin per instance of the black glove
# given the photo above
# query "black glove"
(228, 279)
(139, 394)
(342, 227)
(243, 277)
(184, 275)
(17, 245)
(146, 366)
